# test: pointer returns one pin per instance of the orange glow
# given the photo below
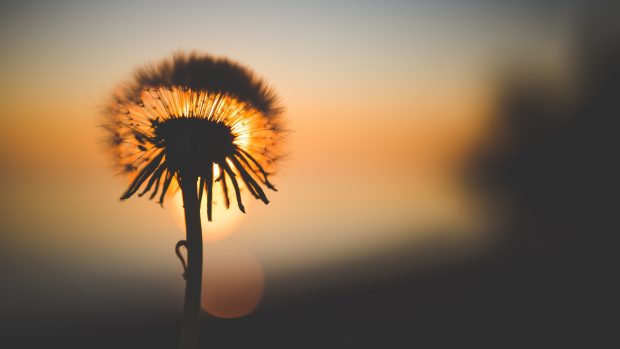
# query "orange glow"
(234, 281)
(355, 162)
(177, 102)
(251, 130)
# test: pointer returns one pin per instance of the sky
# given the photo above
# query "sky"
(385, 100)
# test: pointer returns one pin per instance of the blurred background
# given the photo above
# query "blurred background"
(451, 178)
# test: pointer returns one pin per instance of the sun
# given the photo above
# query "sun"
(218, 229)
(227, 222)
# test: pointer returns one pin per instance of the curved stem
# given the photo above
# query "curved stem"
(191, 308)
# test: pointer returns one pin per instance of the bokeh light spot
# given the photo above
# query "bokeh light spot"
(233, 281)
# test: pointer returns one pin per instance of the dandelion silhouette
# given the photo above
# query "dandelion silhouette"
(195, 121)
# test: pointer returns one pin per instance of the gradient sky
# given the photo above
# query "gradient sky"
(385, 99)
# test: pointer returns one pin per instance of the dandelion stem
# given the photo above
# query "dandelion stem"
(191, 308)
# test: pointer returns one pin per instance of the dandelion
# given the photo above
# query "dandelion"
(195, 122)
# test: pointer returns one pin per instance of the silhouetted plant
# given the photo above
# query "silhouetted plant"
(195, 120)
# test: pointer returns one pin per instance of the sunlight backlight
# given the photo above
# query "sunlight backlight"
(225, 221)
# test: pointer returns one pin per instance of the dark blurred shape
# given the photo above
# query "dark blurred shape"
(557, 169)
(556, 161)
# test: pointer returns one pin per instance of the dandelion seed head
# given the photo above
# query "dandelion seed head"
(197, 116)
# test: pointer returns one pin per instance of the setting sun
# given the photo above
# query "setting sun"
(226, 223)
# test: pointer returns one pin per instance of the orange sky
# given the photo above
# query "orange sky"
(385, 104)
(358, 163)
